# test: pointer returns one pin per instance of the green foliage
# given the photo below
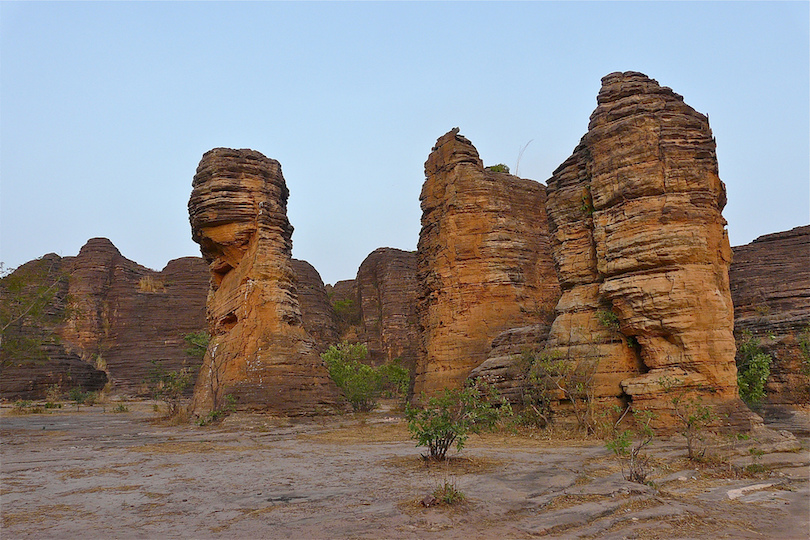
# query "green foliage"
(197, 344)
(804, 348)
(608, 319)
(627, 446)
(120, 408)
(347, 313)
(753, 369)
(500, 167)
(169, 386)
(218, 414)
(362, 384)
(552, 377)
(452, 415)
(448, 493)
(27, 313)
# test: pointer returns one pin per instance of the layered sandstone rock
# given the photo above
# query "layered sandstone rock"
(641, 250)
(33, 359)
(770, 286)
(118, 319)
(260, 352)
(126, 318)
(386, 294)
(506, 365)
(317, 314)
(483, 261)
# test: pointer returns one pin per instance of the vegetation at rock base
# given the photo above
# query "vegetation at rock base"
(169, 386)
(451, 416)
(550, 378)
(753, 369)
(26, 297)
(361, 383)
(628, 445)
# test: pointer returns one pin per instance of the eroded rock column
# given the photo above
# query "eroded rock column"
(259, 351)
(641, 249)
(483, 262)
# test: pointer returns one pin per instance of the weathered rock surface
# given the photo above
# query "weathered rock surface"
(33, 357)
(386, 294)
(260, 352)
(641, 250)
(117, 318)
(124, 316)
(506, 367)
(317, 314)
(483, 263)
(770, 286)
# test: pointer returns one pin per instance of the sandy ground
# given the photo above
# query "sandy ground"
(95, 474)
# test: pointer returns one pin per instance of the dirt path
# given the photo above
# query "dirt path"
(91, 474)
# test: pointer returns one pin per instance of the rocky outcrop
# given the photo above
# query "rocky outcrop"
(317, 314)
(770, 286)
(386, 294)
(260, 352)
(483, 261)
(641, 250)
(506, 365)
(33, 359)
(117, 319)
(126, 318)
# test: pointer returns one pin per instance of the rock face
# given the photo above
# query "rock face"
(125, 316)
(386, 294)
(770, 286)
(641, 250)
(483, 261)
(33, 359)
(260, 352)
(316, 312)
(116, 318)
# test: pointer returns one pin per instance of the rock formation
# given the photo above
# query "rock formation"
(259, 352)
(317, 314)
(386, 295)
(483, 261)
(641, 250)
(117, 318)
(770, 286)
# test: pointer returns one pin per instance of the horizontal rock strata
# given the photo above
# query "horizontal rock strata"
(260, 352)
(770, 286)
(483, 261)
(641, 250)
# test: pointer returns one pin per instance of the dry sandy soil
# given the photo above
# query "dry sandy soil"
(94, 474)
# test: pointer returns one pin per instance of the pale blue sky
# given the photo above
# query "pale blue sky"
(107, 108)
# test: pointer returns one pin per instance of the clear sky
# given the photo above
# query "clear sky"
(107, 107)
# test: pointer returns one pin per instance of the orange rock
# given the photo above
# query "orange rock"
(483, 262)
(259, 351)
(641, 249)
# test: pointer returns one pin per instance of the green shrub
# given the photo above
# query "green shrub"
(627, 446)
(500, 167)
(753, 369)
(452, 415)
(197, 343)
(362, 384)
(169, 386)
(448, 493)
(220, 413)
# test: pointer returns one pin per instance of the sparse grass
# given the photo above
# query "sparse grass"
(149, 284)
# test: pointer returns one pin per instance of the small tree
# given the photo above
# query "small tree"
(169, 386)
(197, 344)
(452, 415)
(753, 369)
(628, 445)
(360, 382)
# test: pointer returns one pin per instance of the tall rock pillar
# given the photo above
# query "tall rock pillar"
(483, 262)
(259, 351)
(641, 249)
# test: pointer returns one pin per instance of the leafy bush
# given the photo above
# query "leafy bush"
(500, 167)
(753, 369)
(169, 386)
(362, 384)
(220, 413)
(552, 377)
(197, 343)
(608, 319)
(452, 415)
(627, 445)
